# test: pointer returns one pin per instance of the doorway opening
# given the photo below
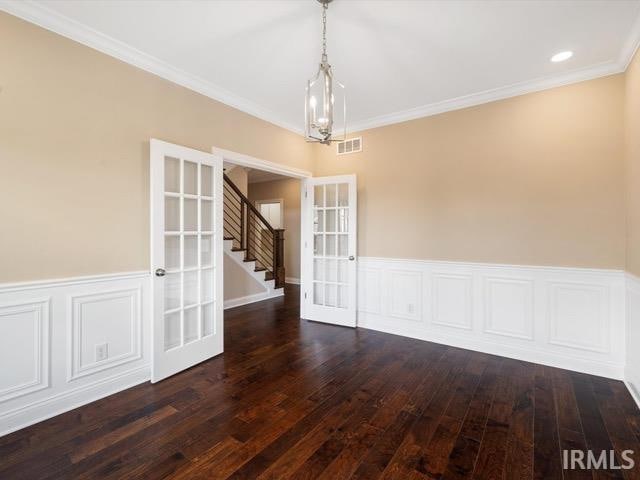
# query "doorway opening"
(262, 223)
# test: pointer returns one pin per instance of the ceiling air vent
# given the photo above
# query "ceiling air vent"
(353, 145)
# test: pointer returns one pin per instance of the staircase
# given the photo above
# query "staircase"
(250, 240)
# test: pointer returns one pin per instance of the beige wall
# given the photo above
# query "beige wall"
(632, 137)
(240, 178)
(237, 282)
(289, 191)
(74, 131)
(536, 179)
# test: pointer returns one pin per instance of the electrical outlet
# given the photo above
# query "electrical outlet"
(102, 352)
(410, 308)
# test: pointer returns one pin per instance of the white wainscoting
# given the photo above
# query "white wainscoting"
(49, 332)
(570, 318)
(632, 369)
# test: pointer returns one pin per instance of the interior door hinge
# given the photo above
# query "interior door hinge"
(306, 193)
(305, 295)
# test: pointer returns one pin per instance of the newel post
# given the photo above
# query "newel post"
(278, 256)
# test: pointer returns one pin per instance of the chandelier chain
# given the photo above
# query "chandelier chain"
(324, 31)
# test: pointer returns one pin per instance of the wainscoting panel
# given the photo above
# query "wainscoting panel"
(509, 308)
(579, 316)
(24, 348)
(70, 342)
(113, 319)
(452, 300)
(570, 318)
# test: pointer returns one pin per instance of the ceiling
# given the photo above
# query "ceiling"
(254, 175)
(259, 176)
(399, 59)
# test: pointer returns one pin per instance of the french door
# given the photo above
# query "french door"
(329, 251)
(186, 257)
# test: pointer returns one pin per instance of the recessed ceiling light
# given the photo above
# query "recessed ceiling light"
(562, 56)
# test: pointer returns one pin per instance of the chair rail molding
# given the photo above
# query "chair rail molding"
(51, 330)
(572, 318)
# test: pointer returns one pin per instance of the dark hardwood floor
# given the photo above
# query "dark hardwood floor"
(296, 399)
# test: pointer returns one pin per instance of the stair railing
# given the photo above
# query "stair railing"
(253, 234)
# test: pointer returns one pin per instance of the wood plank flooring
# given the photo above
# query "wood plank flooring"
(302, 400)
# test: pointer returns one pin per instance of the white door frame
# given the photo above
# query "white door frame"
(279, 201)
(259, 164)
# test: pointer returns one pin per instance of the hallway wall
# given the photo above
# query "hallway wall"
(289, 191)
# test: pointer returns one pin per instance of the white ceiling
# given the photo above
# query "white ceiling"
(399, 59)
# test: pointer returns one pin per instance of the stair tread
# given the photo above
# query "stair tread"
(236, 249)
(249, 260)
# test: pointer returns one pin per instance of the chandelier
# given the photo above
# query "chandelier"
(325, 104)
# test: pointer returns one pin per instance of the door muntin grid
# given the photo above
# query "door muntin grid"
(331, 245)
(189, 245)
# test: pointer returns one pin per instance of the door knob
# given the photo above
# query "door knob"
(160, 272)
(352, 258)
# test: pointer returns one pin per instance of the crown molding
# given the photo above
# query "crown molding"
(48, 19)
(44, 17)
(488, 96)
(629, 49)
(631, 45)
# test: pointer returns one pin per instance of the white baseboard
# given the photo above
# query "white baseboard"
(256, 297)
(51, 330)
(48, 407)
(634, 393)
(569, 318)
(292, 280)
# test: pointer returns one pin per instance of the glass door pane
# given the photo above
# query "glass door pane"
(189, 247)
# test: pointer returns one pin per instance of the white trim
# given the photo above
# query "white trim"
(48, 407)
(632, 391)
(39, 14)
(248, 161)
(256, 297)
(292, 280)
(541, 268)
(631, 45)
(67, 282)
